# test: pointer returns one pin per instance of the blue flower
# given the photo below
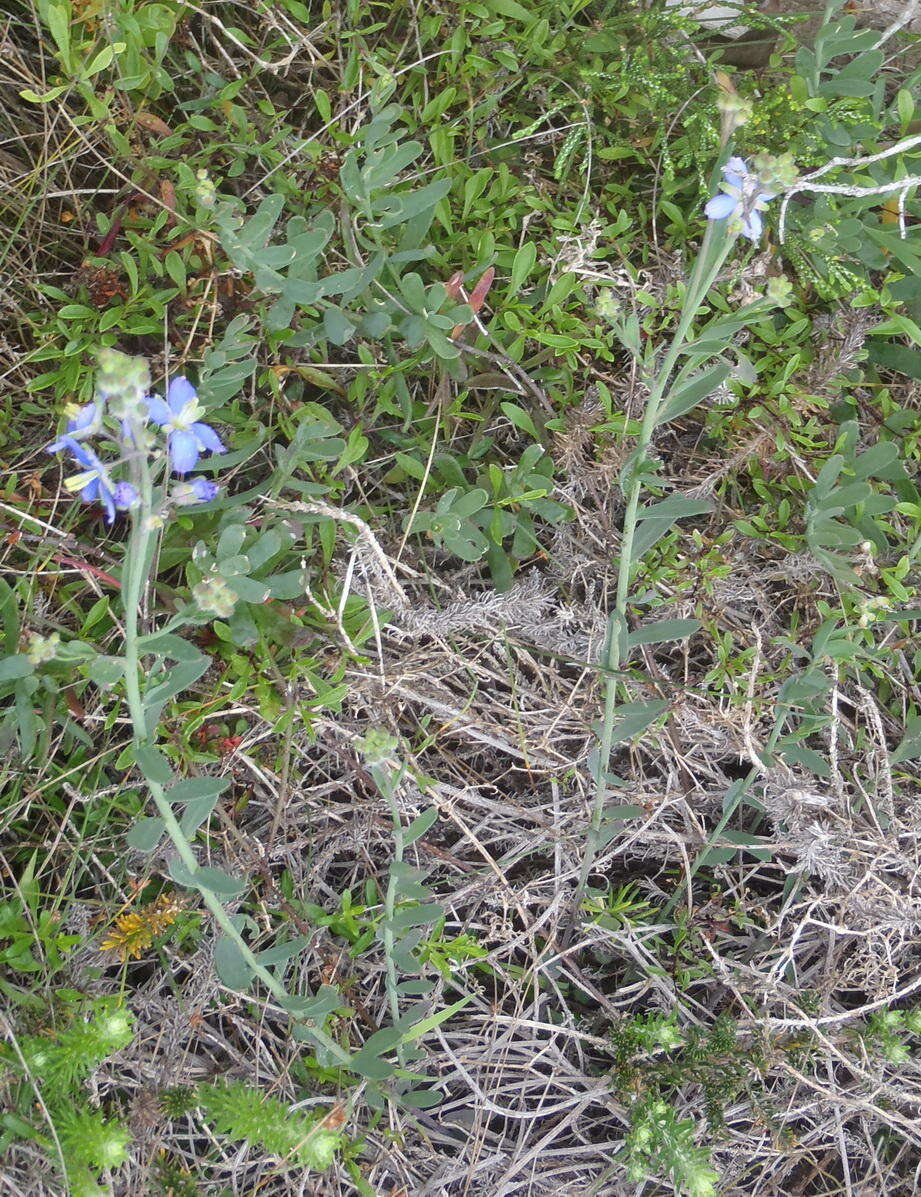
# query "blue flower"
(94, 483)
(83, 422)
(199, 490)
(126, 496)
(178, 414)
(742, 198)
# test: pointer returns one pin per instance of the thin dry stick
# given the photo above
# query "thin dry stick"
(366, 537)
(907, 16)
(807, 182)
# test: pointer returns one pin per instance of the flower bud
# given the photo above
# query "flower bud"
(780, 290)
(607, 306)
(378, 746)
(205, 190)
(777, 172)
(124, 381)
(41, 649)
(735, 110)
(213, 596)
(199, 490)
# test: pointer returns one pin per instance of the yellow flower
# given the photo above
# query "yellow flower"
(134, 933)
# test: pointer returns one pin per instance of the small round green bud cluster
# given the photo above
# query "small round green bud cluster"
(669, 1037)
(777, 172)
(42, 648)
(112, 1145)
(212, 595)
(124, 382)
(873, 609)
(779, 290)
(735, 110)
(608, 306)
(205, 190)
(115, 1028)
(378, 746)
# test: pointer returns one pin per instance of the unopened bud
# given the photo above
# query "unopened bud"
(779, 290)
(125, 382)
(377, 746)
(736, 110)
(42, 648)
(212, 595)
(777, 172)
(205, 190)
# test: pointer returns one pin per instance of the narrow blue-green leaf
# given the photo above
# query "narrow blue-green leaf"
(154, 765)
(317, 1008)
(145, 834)
(256, 230)
(179, 678)
(698, 388)
(190, 788)
(215, 881)
(197, 811)
(635, 717)
(168, 644)
(15, 667)
(663, 631)
(676, 507)
(422, 1099)
(105, 671)
(283, 952)
(416, 916)
(231, 965)
(418, 827)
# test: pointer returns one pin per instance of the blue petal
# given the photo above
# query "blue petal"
(208, 438)
(752, 226)
(90, 492)
(204, 489)
(764, 196)
(733, 180)
(720, 207)
(183, 451)
(199, 490)
(737, 165)
(82, 454)
(109, 503)
(125, 496)
(57, 446)
(158, 411)
(179, 392)
(84, 418)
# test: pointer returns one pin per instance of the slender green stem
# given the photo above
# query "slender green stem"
(134, 576)
(709, 261)
(388, 785)
(132, 584)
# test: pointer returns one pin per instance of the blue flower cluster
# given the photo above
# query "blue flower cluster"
(187, 438)
(743, 198)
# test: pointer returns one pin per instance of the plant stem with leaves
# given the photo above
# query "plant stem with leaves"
(141, 551)
(716, 245)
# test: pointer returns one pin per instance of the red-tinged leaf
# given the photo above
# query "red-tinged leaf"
(74, 705)
(153, 124)
(168, 195)
(481, 290)
(455, 285)
(86, 568)
(107, 243)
